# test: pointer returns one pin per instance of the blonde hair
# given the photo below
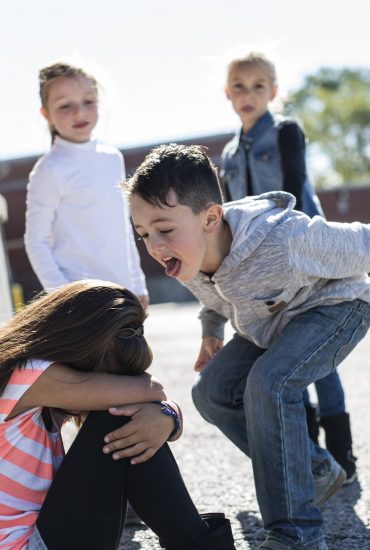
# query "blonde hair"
(254, 59)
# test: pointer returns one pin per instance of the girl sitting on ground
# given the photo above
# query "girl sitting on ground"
(80, 351)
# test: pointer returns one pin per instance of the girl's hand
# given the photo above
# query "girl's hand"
(209, 348)
(141, 438)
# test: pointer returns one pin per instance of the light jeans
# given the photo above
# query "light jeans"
(254, 396)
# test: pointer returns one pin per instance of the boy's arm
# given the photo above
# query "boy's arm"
(65, 388)
(213, 324)
(330, 250)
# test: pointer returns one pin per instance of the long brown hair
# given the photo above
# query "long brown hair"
(86, 325)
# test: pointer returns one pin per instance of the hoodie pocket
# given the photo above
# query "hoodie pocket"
(268, 305)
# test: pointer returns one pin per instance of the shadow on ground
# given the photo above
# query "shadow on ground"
(343, 528)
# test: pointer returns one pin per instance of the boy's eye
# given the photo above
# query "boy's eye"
(146, 236)
(64, 107)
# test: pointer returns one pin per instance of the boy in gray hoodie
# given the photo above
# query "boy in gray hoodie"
(297, 294)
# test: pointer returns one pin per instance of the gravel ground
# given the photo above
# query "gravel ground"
(218, 476)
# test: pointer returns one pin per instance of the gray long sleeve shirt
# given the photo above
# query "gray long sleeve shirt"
(281, 263)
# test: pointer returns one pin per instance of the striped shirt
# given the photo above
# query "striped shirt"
(30, 456)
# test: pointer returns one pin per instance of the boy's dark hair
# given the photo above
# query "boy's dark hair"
(186, 170)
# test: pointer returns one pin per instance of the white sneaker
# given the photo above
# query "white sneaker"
(328, 481)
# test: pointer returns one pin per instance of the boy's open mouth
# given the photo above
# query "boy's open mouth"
(172, 266)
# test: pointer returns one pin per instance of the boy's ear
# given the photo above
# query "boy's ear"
(227, 93)
(213, 218)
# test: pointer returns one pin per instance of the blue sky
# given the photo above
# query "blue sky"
(162, 64)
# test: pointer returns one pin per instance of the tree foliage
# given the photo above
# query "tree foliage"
(334, 108)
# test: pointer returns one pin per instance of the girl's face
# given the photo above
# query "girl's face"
(249, 88)
(72, 108)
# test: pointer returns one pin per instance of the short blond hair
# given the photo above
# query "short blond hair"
(254, 59)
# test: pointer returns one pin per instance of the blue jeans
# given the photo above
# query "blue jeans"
(254, 396)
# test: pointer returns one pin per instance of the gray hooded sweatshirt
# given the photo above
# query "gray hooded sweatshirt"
(280, 264)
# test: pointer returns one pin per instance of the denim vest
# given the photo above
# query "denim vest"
(260, 149)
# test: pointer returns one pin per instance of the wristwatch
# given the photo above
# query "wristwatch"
(173, 410)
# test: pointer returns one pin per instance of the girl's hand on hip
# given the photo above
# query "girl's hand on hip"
(140, 438)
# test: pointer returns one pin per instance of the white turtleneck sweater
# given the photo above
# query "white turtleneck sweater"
(77, 219)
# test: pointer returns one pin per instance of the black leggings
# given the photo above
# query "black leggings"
(86, 503)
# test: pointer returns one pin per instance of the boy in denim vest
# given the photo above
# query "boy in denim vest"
(268, 153)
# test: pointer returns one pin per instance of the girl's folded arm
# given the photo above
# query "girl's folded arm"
(65, 388)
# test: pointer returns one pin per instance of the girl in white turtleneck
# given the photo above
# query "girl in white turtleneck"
(77, 221)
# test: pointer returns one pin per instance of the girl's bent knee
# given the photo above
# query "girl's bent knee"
(103, 422)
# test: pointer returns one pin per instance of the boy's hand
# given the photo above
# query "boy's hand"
(140, 438)
(210, 346)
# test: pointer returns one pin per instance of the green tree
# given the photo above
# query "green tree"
(334, 108)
